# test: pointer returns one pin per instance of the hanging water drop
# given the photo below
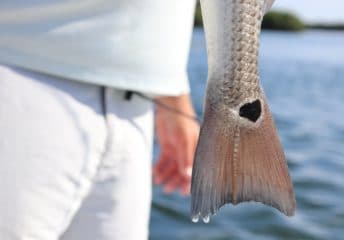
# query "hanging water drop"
(206, 219)
(195, 219)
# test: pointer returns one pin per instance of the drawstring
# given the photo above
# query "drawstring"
(129, 94)
(103, 99)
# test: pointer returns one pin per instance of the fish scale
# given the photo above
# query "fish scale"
(245, 16)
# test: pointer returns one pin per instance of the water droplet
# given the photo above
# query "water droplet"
(206, 219)
(195, 219)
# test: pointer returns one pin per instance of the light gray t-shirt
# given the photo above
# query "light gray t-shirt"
(140, 45)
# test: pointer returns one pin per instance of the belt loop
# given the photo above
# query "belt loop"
(128, 95)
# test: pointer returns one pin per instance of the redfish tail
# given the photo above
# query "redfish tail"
(235, 164)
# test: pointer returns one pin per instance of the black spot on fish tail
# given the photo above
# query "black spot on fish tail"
(251, 111)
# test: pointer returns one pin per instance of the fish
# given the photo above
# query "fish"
(239, 157)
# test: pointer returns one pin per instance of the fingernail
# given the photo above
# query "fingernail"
(188, 171)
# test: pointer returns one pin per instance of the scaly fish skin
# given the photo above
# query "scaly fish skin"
(233, 43)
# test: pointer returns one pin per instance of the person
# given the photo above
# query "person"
(75, 148)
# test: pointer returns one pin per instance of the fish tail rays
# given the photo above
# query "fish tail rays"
(234, 164)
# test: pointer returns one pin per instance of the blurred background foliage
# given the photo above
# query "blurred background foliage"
(198, 16)
(276, 20)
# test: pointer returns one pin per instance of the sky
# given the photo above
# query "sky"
(314, 11)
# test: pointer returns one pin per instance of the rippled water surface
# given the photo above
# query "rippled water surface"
(303, 77)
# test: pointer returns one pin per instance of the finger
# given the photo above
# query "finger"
(185, 159)
(167, 173)
(191, 150)
(185, 185)
(161, 165)
(173, 184)
(185, 188)
(188, 173)
(182, 156)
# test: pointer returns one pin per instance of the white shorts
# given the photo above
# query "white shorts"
(75, 160)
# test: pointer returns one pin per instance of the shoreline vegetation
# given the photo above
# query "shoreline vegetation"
(282, 21)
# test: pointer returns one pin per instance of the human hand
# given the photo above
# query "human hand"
(177, 137)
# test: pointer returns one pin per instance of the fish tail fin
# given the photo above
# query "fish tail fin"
(242, 164)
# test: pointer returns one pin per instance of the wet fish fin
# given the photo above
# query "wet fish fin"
(211, 173)
(260, 172)
(240, 165)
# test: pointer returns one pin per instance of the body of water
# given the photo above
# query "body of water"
(303, 77)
